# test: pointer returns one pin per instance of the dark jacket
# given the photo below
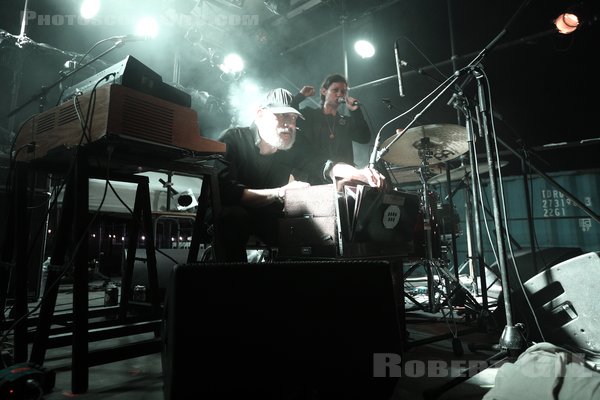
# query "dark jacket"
(247, 168)
(331, 136)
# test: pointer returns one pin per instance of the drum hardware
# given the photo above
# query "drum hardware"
(408, 175)
(449, 222)
(512, 341)
(444, 291)
(462, 172)
(427, 143)
(442, 142)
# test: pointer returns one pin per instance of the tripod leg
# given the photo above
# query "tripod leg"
(431, 286)
(407, 294)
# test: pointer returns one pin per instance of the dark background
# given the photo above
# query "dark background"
(543, 85)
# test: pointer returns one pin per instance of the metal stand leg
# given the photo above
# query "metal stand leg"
(20, 268)
(72, 236)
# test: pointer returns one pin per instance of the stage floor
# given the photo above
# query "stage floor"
(431, 358)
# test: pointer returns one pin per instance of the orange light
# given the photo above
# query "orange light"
(566, 23)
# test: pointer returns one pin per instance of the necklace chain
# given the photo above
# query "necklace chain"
(331, 128)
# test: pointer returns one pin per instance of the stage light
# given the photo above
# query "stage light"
(89, 8)
(147, 27)
(575, 17)
(232, 63)
(364, 48)
(566, 23)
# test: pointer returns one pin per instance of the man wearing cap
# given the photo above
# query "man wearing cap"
(262, 163)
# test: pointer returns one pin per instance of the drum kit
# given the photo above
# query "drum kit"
(421, 156)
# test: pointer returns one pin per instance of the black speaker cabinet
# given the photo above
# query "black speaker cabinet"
(564, 300)
(166, 259)
(281, 330)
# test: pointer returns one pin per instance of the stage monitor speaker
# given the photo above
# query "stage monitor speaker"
(524, 260)
(280, 330)
(563, 299)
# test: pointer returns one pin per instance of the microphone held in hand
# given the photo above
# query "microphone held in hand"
(342, 100)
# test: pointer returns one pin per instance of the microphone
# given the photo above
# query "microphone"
(399, 64)
(342, 100)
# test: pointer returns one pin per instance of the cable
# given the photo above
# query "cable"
(419, 70)
(447, 83)
(77, 63)
(76, 248)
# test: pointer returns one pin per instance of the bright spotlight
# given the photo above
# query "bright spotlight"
(147, 27)
(89, 8)
(364, 49)
(566, 23)
(232, 63)
(574, 17)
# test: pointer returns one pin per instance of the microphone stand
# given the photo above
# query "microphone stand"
(511, 342)
(41, 95)
(473, 212)
(377, 154)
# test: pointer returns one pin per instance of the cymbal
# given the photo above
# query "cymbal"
(460, 172)
(412, 175)
(444, 142)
